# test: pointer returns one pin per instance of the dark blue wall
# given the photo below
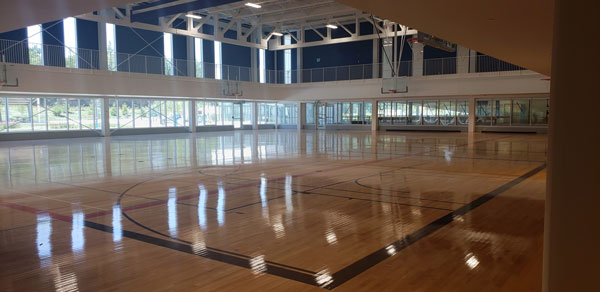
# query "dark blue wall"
(14, 52)
(135, 41)
(87, 44)
(180, 55)
(343, 54)
(53, 35)
(434, 53)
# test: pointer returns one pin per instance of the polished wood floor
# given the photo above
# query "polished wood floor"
(274, 211)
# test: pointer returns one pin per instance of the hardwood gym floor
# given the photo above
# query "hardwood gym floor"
(274, 211)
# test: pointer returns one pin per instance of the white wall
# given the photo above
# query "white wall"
(64, 81)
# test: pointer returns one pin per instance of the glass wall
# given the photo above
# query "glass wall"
(145, 113)
(247, 113)
(512, 112)
(287, 114)
(219, 113)
(344, 112)
(25, 114)
(446, 112)
(267, 113)
(310, 114)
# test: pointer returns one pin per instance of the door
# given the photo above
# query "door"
(321, 115)
(237, 115)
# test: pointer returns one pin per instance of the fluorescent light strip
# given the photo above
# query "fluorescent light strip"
(193, 16)
(332, 26)
(253, 5)
(277, 33)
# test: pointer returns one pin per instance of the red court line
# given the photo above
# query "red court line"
(36, 211)
(187, 197)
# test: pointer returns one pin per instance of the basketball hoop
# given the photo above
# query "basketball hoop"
(412, 40)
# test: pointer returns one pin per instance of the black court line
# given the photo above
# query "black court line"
(342, 276)
(267, 267)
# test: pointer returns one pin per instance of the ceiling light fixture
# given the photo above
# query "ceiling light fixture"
(332, 26)
(253, 5)
(193, 16)
(277, 33)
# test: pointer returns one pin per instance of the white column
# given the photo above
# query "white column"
(472, 116)
(192, 113)
(374, 116)
(102, 51)
(301, 115)
(105, 118)
(462, 60)
(191, 62)
(417, 61)
(376, 58)
(254, 116)
(572, 217)
(472, 61)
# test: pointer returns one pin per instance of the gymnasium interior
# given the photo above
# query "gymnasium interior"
(299, 145)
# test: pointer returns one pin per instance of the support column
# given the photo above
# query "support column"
(462, 60)
(254, 116)
(417, 61)
(191, 57)
(374, 117)
(102, 51)
(472, 115)
(105, 118)
(192, 114)
(301, 115)
(299, 57)
(472, 61)
(572, 220)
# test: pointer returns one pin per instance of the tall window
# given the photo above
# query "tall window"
(262, 74)
(111, 47)
(34, 43)
(168, 50)
(70, 32)
(287, 60)
(199, 57)
(218, 61)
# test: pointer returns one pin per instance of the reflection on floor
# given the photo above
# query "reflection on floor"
(274, 210)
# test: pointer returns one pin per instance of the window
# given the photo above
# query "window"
(501, 112)
(111, 47)
(262, 74)
(168, 52)
(35, 44)
(287, 114)
(218, 61)
(141, 113)
(287, 60)
(227, 114)
(200, 113)
(266, 113)
(70, 34)
(368, 112)
(40, 114)
(199, 57)
(540, 109)
(483, 112)
(430, 115)
(462, 108)
(447, 112)
(310, 113)
(247, 113)
(414, 112)
(520, 112)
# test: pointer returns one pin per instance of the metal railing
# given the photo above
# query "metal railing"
(22, 52)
